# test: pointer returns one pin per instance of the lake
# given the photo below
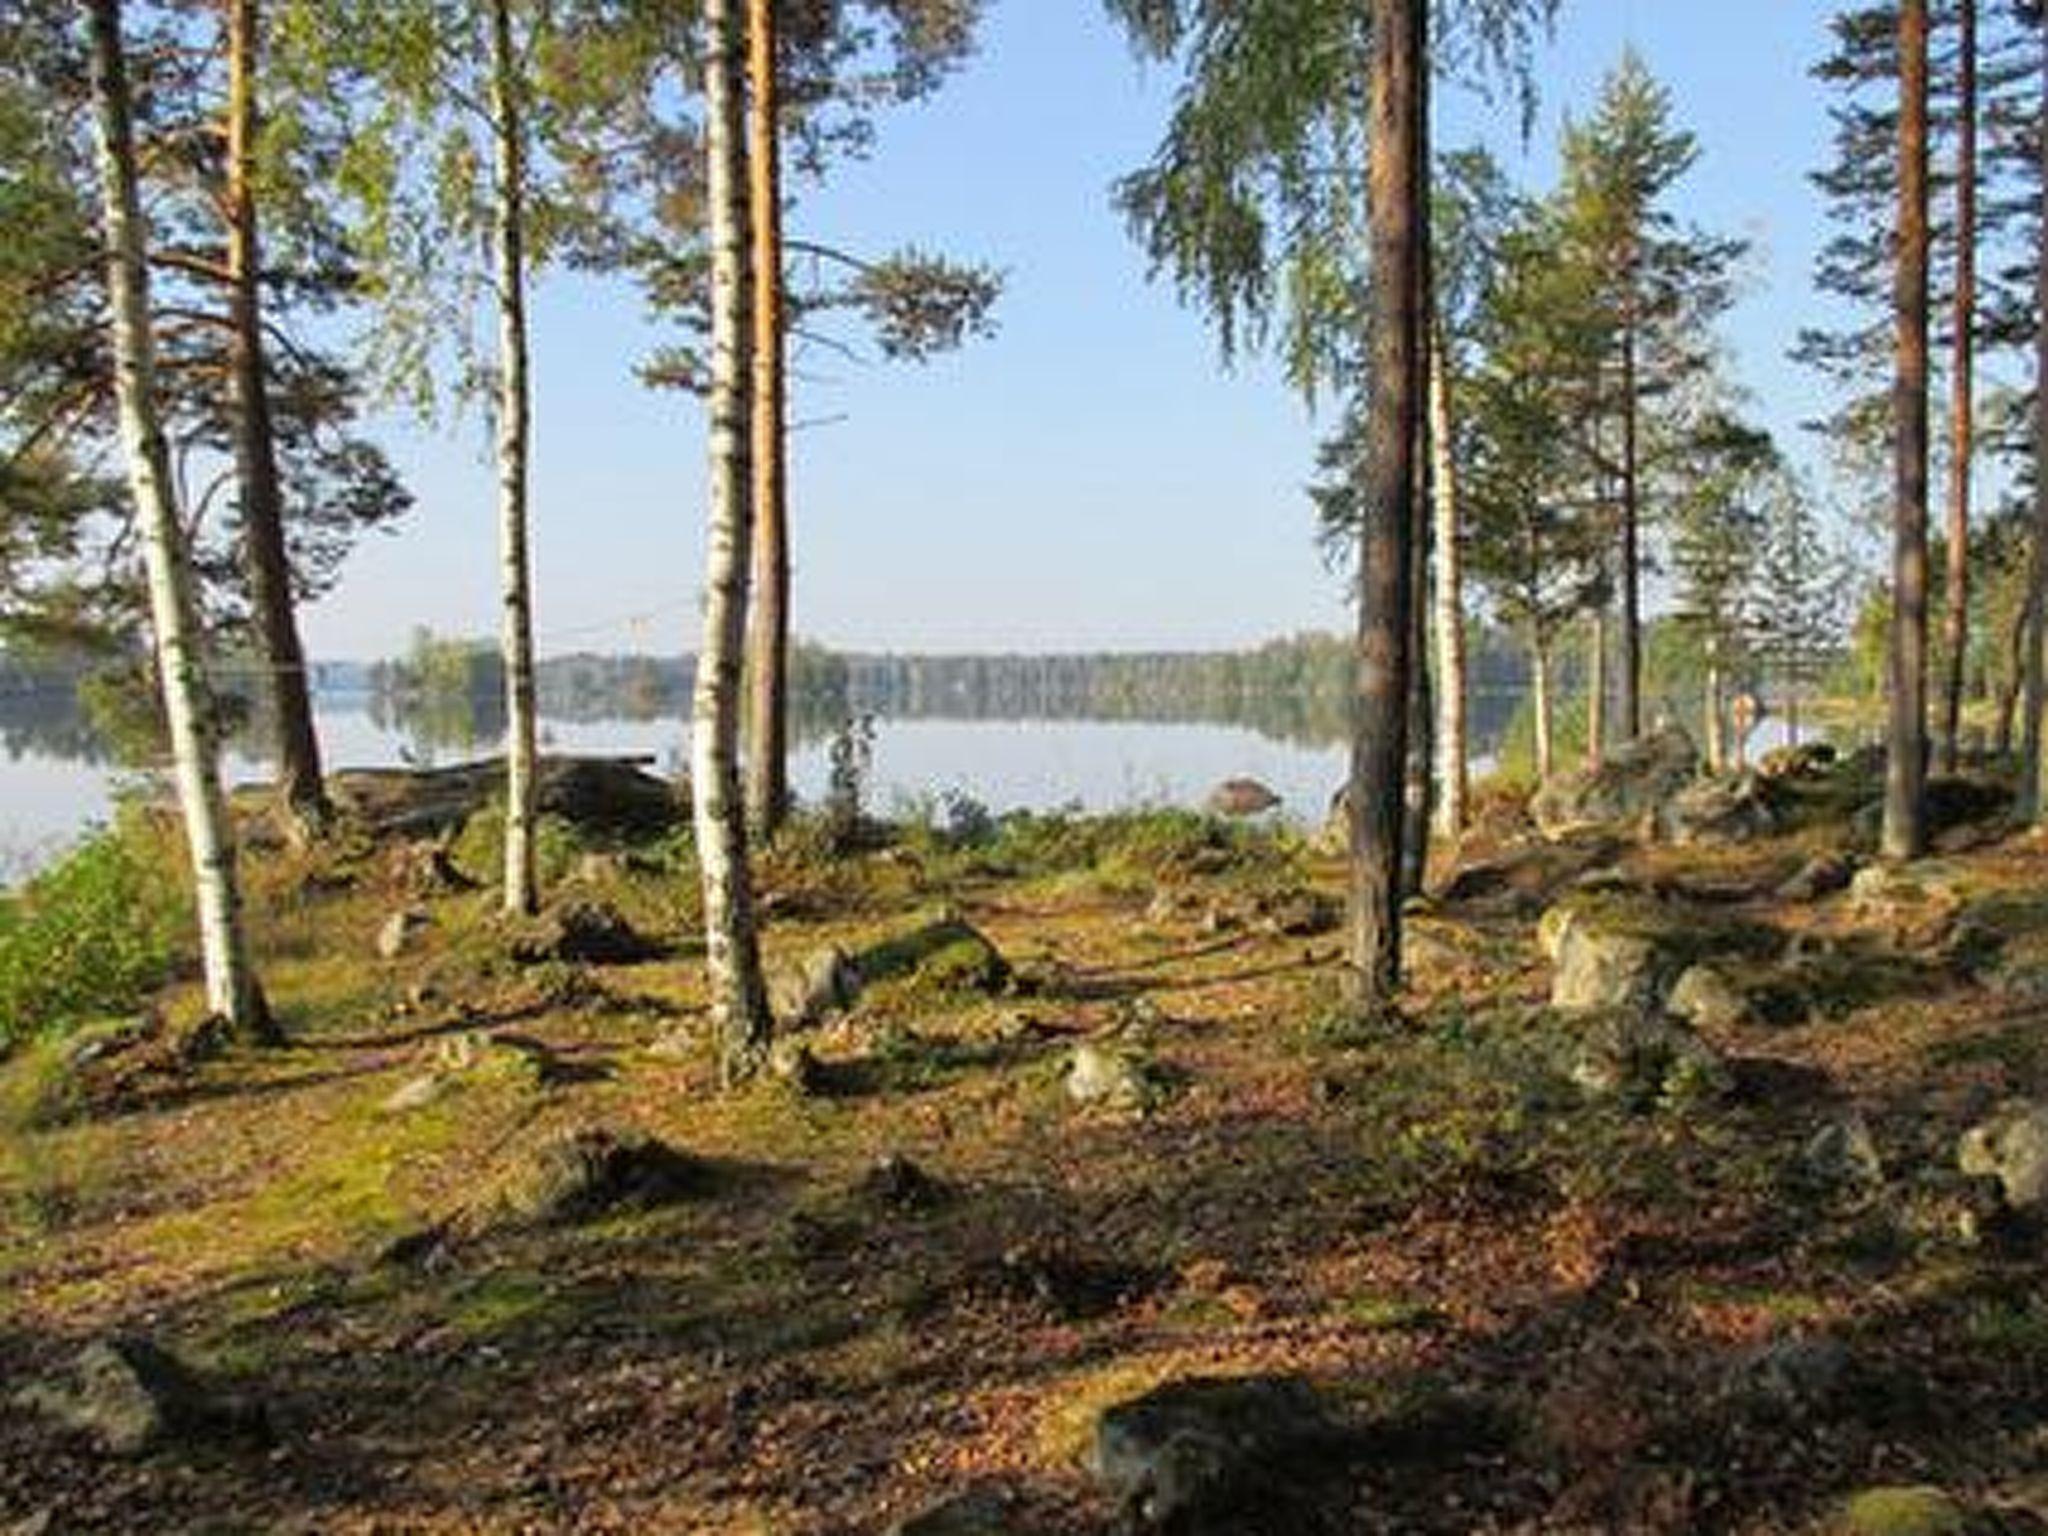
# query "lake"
(46, 799)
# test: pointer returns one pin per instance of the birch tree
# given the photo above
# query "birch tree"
(741, 1023)
(232, 992)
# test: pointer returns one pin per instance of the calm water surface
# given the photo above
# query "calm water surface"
(1038, 765)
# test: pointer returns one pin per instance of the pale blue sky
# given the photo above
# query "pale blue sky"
(1091, 478)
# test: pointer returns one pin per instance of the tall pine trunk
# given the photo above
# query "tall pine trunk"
(739, 1004)
(1397, 220)
(1596, 688)
(232, 992)
(1447, 602)
(302, 795)
(1956, 617)
(515, 439)
(2031, 800)
(1905, 821)
(767, 766)
(1631, 700)
(1539, 683)
(1717, 739)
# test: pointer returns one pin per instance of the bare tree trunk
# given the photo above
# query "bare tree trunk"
(1596, 688)
(302, 796)
(515, 438)
(1956, 620)
(1905, 822)
(2011, 684)
(2031, 799)
(1448, 604)
(1397, 218)
(1421, 791)
(767, 765)
(1631, 537)
(1539, 681)
(1717, 740)
(232, 992)
(739, 1003)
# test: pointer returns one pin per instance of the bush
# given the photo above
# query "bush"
(95, 932)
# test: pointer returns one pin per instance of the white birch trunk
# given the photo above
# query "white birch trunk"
(1546, 751)
(232, 992)
(1448, 613)
(515, 424)
(739, 1005)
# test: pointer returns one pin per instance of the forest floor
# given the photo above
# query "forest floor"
(1541, 1309)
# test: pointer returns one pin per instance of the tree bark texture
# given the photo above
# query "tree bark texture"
(1962, 368)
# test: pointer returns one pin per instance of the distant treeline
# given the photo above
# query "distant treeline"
(1293, 689)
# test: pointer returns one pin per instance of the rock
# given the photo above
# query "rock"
(899, 1184)
(1429, 951)
(1113, 1079)
(609, 796)
(824, 982)
(1241, 797)
(1705, 998)
(947, 954)
(1966, 801)
(582, 932)
(977, 1512)
(394, 937)
(1914, 906)
(1844, 1154)
(1302, 915)
(2012, 1147)
(479, 1052)
(1732, 809)
(1808, 760)
(1525, 875)
(2022, 979)
(132, 1396)
(586, 1173)
(1792, 1378)
(1821, 875)
(417, 1093)
(1902, 1511)
(1598, 964)
(425, 868)
(1623, 793)
(791, 1064)
(1214, 1455)
(1643, 1060)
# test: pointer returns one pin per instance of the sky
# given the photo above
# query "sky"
(1092, 478)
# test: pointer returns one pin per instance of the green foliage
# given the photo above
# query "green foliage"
(93, 934)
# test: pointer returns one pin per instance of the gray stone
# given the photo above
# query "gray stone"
(791, 1064)
(1642, 1060)
(132, 1396)
(1207, 1456)
(1732, 809)
(1623, 793)
(1914, 906)
(1100, 1075)
(417, 1093)
(582, 932)
(1301, 915)
(1844, 1153)
(1599, 966)
(586, 1173)
(1791, 1378)
(824, 982)
(2012, 1147)
(1241, 797)
(1705, 998)
(395, 937)
(1821, 875)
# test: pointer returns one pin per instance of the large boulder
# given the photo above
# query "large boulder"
(1707, 998)
(822, 983)
(1809, 760)
(1902, 1511)
(1602, 957)
(1216, 1455)
(582, 932)
(1624, 793)
(1735, 808)
(587, 1173)
(1911, 906)
(1101, 1076)
(1643, 1059)
(947, 954)
(1524, 876)
(132, 1396)
(1241, 797)
(2012, 1147)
